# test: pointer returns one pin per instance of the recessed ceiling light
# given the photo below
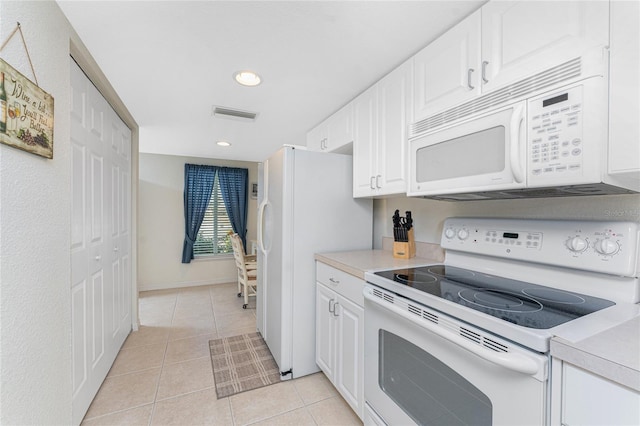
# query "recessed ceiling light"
(223, 143)
(247, 78)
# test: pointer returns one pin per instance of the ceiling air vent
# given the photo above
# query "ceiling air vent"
(233, 114)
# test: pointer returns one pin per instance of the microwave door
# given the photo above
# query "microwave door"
(483, 154)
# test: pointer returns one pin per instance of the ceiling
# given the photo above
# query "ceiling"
(171, 62)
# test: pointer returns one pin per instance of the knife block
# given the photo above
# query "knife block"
(405, 250)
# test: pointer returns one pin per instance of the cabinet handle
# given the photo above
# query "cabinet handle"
(378, 181)
(484, 71)
(469, 72)
(336, 282)
(371, 182)
(335, 310)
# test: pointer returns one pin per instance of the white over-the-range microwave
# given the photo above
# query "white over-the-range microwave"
(552, 140)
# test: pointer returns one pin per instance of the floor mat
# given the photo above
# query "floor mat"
(241, 363)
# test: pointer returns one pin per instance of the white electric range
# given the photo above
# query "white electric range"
(467, 341)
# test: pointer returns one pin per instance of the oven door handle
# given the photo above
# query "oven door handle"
(513, 361)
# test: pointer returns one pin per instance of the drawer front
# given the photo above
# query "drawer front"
(342, 283)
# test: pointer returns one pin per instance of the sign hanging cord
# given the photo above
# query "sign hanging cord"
(24, 43)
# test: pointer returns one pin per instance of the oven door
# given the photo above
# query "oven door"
(487, 153)
(422, 367)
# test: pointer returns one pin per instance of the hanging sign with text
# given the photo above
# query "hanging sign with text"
(26, 113)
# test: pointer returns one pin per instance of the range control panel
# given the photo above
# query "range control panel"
(599, 246)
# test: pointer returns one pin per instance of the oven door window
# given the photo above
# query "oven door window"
(426, 389)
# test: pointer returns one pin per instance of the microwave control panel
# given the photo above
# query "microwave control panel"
(555, 133)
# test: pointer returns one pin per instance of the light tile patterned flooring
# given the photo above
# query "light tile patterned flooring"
(163, 376)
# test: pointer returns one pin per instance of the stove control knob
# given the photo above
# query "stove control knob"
(463, 234)
(449, 233)
(606, 247)
(577, 244)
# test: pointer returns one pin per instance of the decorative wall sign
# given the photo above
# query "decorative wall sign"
(26, 113)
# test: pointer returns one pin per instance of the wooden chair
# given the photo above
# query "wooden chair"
(247, 270)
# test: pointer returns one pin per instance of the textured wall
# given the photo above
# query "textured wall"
(35, 313)
(161, 226)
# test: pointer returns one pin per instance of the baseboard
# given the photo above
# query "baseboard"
(173, 285)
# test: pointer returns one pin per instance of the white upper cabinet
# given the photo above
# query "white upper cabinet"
(521, 38)
(317, 137)
(340, 128)
(333, 133)
(446, 71)
(502, 43)
(364, 143)
(624, 107)
(394, 105)
(380, 135)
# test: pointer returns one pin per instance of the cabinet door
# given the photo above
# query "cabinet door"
(588, 399)
(364, 144)
(325, 330)
(393, 107)
(317, 137)
(349, 378)
(340, 128)
(624, 108)
(520, 38)
(447, 72)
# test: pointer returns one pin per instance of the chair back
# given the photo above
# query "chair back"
(241, 262)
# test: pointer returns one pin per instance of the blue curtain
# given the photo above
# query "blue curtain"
(233, 185)
(198, 184)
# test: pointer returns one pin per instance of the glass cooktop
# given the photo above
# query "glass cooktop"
(518, 302)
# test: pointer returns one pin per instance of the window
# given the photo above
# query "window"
(213, 236)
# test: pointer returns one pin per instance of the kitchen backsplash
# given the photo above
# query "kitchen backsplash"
(429, 215)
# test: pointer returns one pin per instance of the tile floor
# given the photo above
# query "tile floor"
(163, 376)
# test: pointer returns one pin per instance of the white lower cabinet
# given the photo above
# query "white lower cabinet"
(588, 399)
(340, 337)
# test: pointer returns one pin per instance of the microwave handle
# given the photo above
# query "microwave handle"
(517, 119)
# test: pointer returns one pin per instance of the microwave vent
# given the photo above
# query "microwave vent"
(518, 90)
(562, 191)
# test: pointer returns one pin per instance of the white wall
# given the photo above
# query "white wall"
(35, 314)
(429, 215)
(35, 265)
(161, 227)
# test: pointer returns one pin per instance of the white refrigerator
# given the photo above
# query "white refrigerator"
(306, 206)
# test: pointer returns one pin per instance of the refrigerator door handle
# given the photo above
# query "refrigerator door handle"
(263, 206)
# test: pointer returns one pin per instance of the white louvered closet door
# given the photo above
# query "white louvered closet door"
(100, 238)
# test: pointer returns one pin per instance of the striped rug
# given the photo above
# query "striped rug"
(241, 363)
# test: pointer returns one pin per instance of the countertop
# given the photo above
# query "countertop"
(613, 353)
(357, 263)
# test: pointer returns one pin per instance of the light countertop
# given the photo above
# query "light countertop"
(613, 353)
(356, 263)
